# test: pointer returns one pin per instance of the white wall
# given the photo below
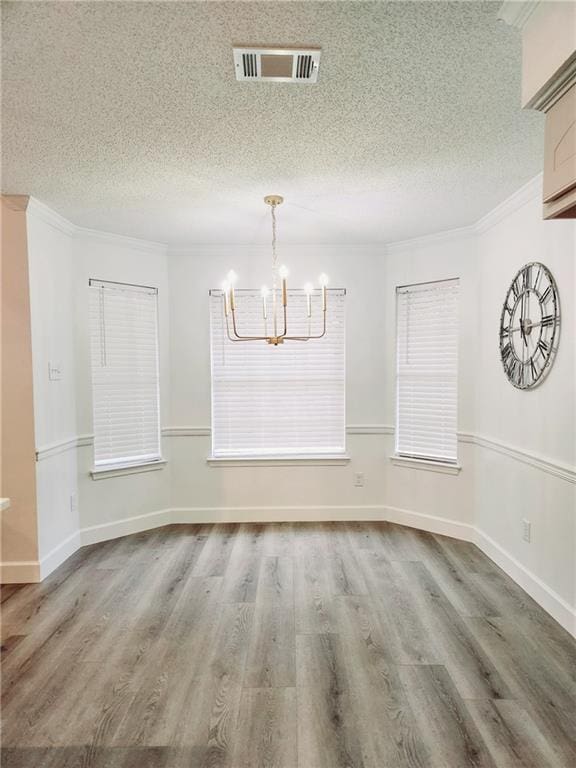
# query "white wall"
(195, 484)
(516, 449)
(110, 500)
(52, 308)
(436, 258)
(541, 421)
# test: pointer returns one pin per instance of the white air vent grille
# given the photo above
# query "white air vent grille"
(281, 65)
(249, 65)
(304, 66)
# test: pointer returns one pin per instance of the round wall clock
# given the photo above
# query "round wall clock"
(530, 326)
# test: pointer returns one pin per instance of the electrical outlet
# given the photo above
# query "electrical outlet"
(359, 479)
(54, 371)
(527, 530)
(73, 502)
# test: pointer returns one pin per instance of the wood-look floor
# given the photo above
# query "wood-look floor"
(284, 646)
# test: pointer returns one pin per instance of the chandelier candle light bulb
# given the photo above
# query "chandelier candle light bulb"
(229, 299)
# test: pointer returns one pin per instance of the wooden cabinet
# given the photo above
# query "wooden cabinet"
(560, 157)
(548, 30)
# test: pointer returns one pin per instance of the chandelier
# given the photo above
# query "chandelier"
(277, 296)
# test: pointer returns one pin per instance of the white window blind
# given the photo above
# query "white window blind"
(427, 370)
(125, 392)
(278, 401)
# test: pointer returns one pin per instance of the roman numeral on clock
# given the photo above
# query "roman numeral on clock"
(547, 320)
(527, 277)
(544, 348)
(546, 295)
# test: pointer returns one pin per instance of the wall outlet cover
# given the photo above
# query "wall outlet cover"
(526, 530)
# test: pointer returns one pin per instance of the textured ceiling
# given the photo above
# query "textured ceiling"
(126, 117)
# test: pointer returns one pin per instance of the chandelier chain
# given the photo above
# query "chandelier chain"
(274, 256)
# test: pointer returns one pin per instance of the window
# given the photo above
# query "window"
(427, 370)
(278, 401)
(124, 353)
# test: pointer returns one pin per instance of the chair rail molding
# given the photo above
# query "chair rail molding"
(543, 463)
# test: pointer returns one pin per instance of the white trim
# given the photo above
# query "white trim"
(278, 461)
(370, 429)
(366, 512)
(100, 473)
(530, 191)
(112, 530)
(532, 188)
(563, 471)
(186, 432)
(546, 597)
(517, 12)
(68, 444)
(51, 217)
(20, 572)
(543, 463)
(351, 429)
(444, 467)
(59, 554)
(435, 238)
(48, 216)
(110, 238)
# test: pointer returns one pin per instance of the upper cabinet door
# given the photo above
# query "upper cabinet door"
(560, 147)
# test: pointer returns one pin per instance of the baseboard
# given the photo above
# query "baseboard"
(546, 597)
(430, 523)
(267, 514)
(323, 514)
(95, 533)
(550, 601)
(20, 572)
(59, 554)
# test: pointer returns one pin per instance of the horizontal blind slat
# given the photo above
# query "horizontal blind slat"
(125, 381)
(427, 369)
(273, 400)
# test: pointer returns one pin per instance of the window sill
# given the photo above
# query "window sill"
(279, 461)
(444, 467)
(127, 469)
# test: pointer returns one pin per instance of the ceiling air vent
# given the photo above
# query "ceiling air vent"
(281, 65)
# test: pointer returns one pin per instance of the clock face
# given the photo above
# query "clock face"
(530, 326)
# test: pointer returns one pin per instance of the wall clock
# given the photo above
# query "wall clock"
(530, 326)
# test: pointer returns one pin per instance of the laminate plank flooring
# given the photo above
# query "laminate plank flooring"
(321, 645)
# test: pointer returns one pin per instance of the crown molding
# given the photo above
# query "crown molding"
(49, 216)
(530, 191)
(247, 250)
(436, 238)
(517, 12)
(110, 238)
(555, 88)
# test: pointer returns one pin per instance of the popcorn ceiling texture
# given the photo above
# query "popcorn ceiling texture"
(126, 117)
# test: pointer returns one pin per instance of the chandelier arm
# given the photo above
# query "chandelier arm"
(285, 331)
(307, 338)
(237, 337)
